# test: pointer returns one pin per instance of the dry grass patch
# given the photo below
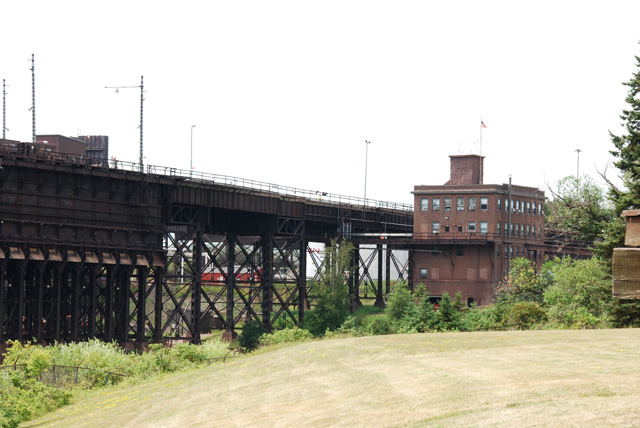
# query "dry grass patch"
(587, 378)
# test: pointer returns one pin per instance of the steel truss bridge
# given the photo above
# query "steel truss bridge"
(115, 253)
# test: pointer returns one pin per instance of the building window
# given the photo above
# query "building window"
(459, 250)
(506, 205)
(517, 206)
(436, 204)
(498, 229)
(435, 227)
(484, 227)
(499, 204)
(529, 208)
(446, 228)
(528, 231)
(459, 204)
(424, 204)
(539, 209)
(472, 204)
(423, 273)
(447, 204)
(534, 208)
(506, 229)
(484, 204)
(471, 227)
(533, 230)
(459, 228)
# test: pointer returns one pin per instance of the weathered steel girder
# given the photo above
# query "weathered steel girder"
(88, 251)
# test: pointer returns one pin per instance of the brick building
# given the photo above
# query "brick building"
(466, 232)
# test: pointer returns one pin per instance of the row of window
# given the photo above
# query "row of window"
(472, 204)
(471, 227)
(509, 251)
(521, 207)
(518, 206)
(515, 252)
(519, 230)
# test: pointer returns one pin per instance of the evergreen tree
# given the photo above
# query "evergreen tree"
(628, 162)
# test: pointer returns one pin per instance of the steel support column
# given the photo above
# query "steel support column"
(267, 280)
(3, 309)
(76, 271)
(39, 318)
(57, 291)
(410, 271)
(302, 285)
(229, 333)
(355, 293)
(108, 305)
(141, 312)
(379, 297)
(196, 291)
(158, 284)
(93, 296)
(387, 276)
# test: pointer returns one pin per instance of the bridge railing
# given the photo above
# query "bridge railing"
(243, 183)
(34, 152)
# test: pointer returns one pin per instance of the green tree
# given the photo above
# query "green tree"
(523, 282)
(580, 295)
(400, 303)
(578, 212)
(627, 153)
(331, 291)
(447, 317)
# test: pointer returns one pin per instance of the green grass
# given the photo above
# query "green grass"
(568, 378)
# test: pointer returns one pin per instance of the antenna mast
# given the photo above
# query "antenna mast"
(4, 111)
(33, 98)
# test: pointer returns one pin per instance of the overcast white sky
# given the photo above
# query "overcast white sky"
(287, 92)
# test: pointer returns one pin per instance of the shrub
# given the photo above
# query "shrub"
(484, 318)
(524, 315)
(286, 335)
(378, 325)
(249, 339)
(331, 291)
(22, 398)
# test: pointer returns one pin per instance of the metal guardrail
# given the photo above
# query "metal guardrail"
(259, 186)
(25, 152)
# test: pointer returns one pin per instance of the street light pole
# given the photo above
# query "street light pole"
(578, 167)
(191, 161)
(141, 86)
(366, 162)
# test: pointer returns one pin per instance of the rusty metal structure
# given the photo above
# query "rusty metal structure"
(111, 252)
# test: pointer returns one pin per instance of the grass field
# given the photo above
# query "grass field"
(575, 378)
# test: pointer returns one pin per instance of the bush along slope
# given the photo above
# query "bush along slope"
(35, 379)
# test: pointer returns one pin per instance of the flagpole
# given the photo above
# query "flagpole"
(480, 136)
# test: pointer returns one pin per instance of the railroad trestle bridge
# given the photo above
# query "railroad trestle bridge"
(111, 252)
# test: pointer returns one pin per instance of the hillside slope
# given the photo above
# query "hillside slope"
(585, 378)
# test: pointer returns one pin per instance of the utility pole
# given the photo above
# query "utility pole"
(191, 161)
(33, 99)
(4, 111)
(578, 168)
(366, 162)
(141, 86)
